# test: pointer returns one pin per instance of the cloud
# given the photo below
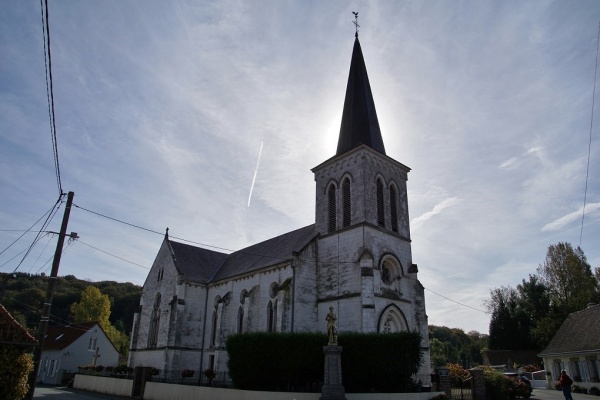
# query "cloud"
(418, 221)
(567, 219)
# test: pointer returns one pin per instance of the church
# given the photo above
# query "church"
(356, 257)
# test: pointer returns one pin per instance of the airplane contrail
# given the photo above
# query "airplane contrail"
(255, 172)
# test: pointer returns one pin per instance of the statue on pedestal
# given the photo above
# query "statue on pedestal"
(331, 327)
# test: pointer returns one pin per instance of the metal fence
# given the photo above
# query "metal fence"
(462, 389)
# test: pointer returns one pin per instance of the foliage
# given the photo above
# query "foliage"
(453, 345)
(457, 373)
(578, 389)
(94, 306)
(594, 390)
(15, 367)
(187, 373)
(279, 361)
(526, 318)
(568, 277)
(25, 294)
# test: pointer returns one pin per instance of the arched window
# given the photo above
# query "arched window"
(346, 203)
(380, 209)
(241, 320)
(392, 320)
(270, 317)
(213, 337)
(394, 208)
(332, 208)
(154, 323)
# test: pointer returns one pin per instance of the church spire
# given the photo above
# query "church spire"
(359, 119)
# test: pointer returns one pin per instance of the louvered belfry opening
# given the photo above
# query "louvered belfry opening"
(332, 208)
(394, 209)
(347, 202)
(380, 210)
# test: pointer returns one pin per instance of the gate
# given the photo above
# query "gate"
(462, 389)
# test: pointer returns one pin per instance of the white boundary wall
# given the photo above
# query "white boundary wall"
(168, 391)
(104, 384)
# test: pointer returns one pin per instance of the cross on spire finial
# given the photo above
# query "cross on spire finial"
(355, 22)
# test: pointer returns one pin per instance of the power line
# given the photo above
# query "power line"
(49, 89)
(30, 228)
(454, 301)
(110, 254)
(587, 172)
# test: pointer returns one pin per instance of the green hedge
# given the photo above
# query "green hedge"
(294, 361)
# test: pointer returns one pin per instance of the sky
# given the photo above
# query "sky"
(162, 108)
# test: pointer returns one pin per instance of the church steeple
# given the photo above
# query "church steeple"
(359, 119)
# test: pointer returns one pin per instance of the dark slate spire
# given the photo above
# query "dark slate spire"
(359, 120)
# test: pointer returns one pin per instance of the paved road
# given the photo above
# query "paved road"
(541, 394)
(60, 393)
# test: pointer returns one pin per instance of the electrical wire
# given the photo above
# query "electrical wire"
(457, 302)
(110, 254)
(30, 228)
(42, 230)
(587, 172)
(49, 89)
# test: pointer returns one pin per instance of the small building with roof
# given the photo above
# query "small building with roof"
(575, 348)
(68, 347)
(355, 257)
(12, 333)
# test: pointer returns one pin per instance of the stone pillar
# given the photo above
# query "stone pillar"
(332, 388)
(445, 384)
(478, 384)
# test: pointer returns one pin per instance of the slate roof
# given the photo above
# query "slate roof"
(269, 252)
(59, 337)
(195, 263)
(12, 333)
(579, 333)
(359, 119)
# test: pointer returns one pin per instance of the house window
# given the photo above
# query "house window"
(241, 319)
(52, 369)
(154, 323)
(585, 372)
(346, 202)
(332, 208)
(92, 344)
(380, 209)
(394, 208)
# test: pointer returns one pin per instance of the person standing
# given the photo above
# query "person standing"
(565, 384)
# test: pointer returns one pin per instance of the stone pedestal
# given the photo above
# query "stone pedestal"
(332, 382)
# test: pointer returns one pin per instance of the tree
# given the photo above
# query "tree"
(568, 277)
(94, 306)
(510, 325)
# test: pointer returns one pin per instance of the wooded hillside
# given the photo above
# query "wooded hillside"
(25, 294)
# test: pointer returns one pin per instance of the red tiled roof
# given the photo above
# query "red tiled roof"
(11, 332)
(58, 337)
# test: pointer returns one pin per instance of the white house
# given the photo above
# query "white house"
(576, 348)
(356, 257)
(68, 347)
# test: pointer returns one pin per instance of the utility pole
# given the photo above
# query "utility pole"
(41, 332)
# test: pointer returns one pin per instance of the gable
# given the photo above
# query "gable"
(579, 333)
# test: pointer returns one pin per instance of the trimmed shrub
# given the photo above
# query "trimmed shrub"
(292, 361)
(594, 390)
(15, 367)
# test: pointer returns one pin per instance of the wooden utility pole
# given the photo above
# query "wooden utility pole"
(41, 332)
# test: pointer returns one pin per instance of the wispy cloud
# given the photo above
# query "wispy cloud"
(437, 209)
(563, 221)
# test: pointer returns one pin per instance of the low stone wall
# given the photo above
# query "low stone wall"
(168, 391)
(103, 384)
